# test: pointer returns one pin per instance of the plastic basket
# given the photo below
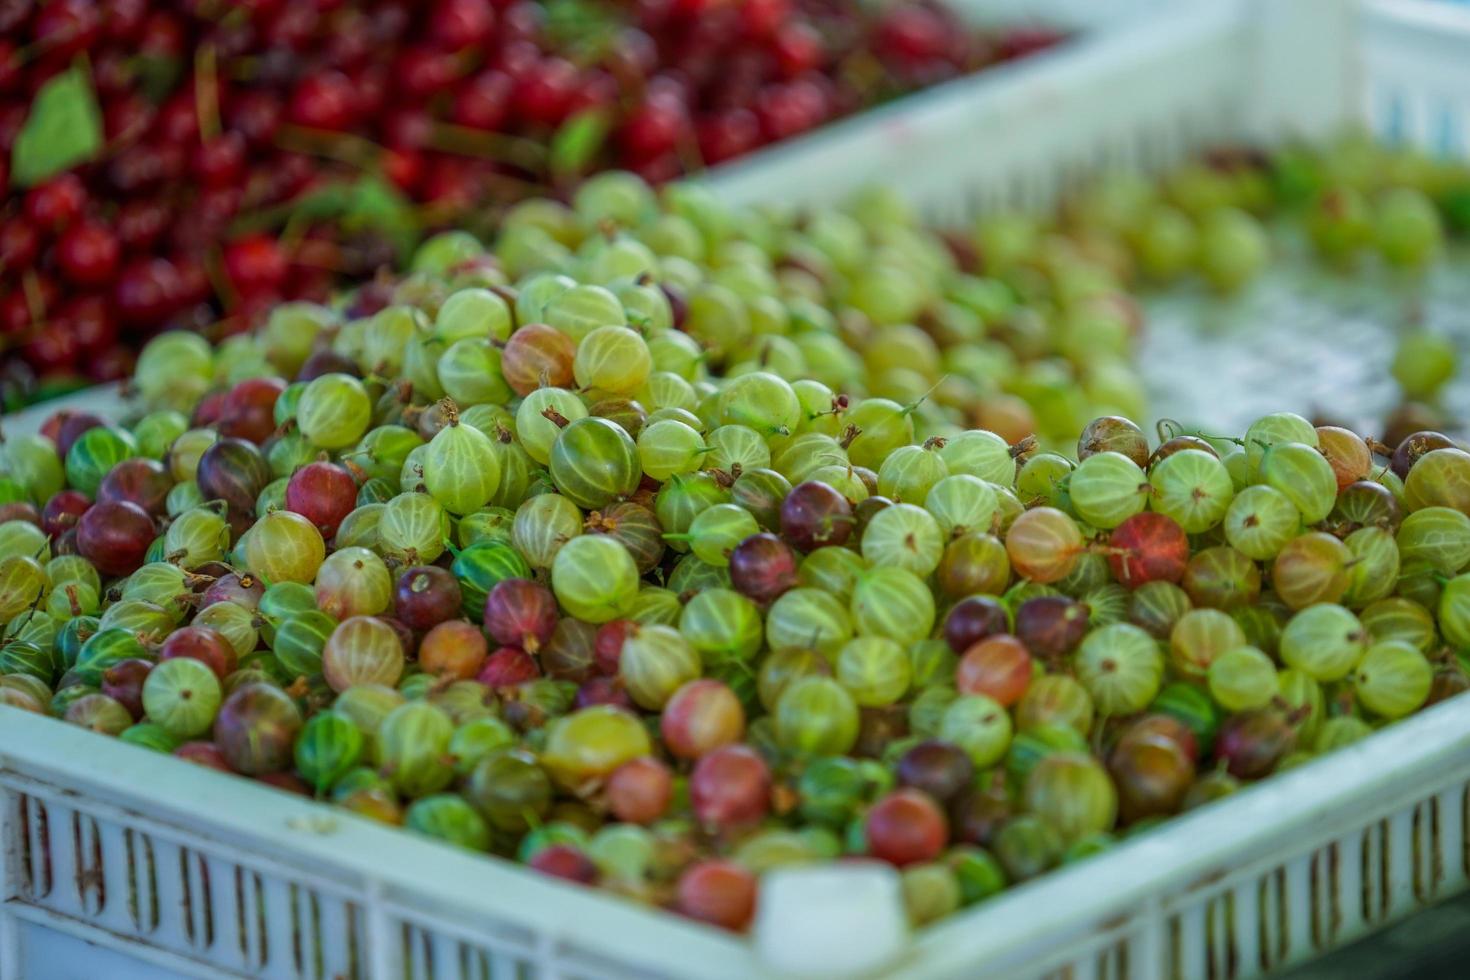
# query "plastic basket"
(116, 864)
(1193, 76)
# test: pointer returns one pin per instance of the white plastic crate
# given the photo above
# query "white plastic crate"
(116, 864)
(1194, 76)
(1418, 73)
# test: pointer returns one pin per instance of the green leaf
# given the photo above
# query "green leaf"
(330, 200)
(63, 129)
(365, 204)
(578, 141)
(578, 24)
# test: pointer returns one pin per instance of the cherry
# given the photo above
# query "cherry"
(913, 33)
(216, 206)
(457, 24)
(350, 42)
(15, 313)
(422, 72)
(388, 23)
(247, 313)
(403, 167)
(543, 97)
(254, 264)
(1019, 42)
(633, 54)
(113, 73)
(50, 351)
(654, 128)
(55, 203)
(660, 169)
(147, 292)
(517, 59)
(598, 90)
(162, 37)
(219, 162)
(700, 59)
(292, 26)
(324, 101)
(254, 115)
(761, 18)
(522, 21)
(178, 119)
(785, 110)
(140, 222)
(113, 364)
(194, 286)
(484, 101)
(260, 10)
(10, 66)
(65, 27)
(449, 180)
(13, 13)
(407, 129)
(134, 169)
(123, 20)
(728, 134)
(88, 254)
(721, 26)
(12, 118)
(90, 320)
(125, 116)
(19, 245)
(690, 9)
(747, 70)
(289, 175)
(28, 305)
(798, 49)
(673, 84)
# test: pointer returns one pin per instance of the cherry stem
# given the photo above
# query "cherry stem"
(206, 91)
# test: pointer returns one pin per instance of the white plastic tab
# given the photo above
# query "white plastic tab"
(841, 920)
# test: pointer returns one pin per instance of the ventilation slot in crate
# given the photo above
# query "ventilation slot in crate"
(434, 955)
(99, 870)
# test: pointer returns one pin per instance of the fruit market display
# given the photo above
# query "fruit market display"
(190, 165)
(604, 550)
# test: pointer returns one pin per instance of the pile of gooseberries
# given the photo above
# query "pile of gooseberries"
(710, 615)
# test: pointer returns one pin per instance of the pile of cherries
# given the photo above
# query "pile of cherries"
(216, 116)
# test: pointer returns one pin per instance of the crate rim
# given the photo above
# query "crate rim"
(1302, 808)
